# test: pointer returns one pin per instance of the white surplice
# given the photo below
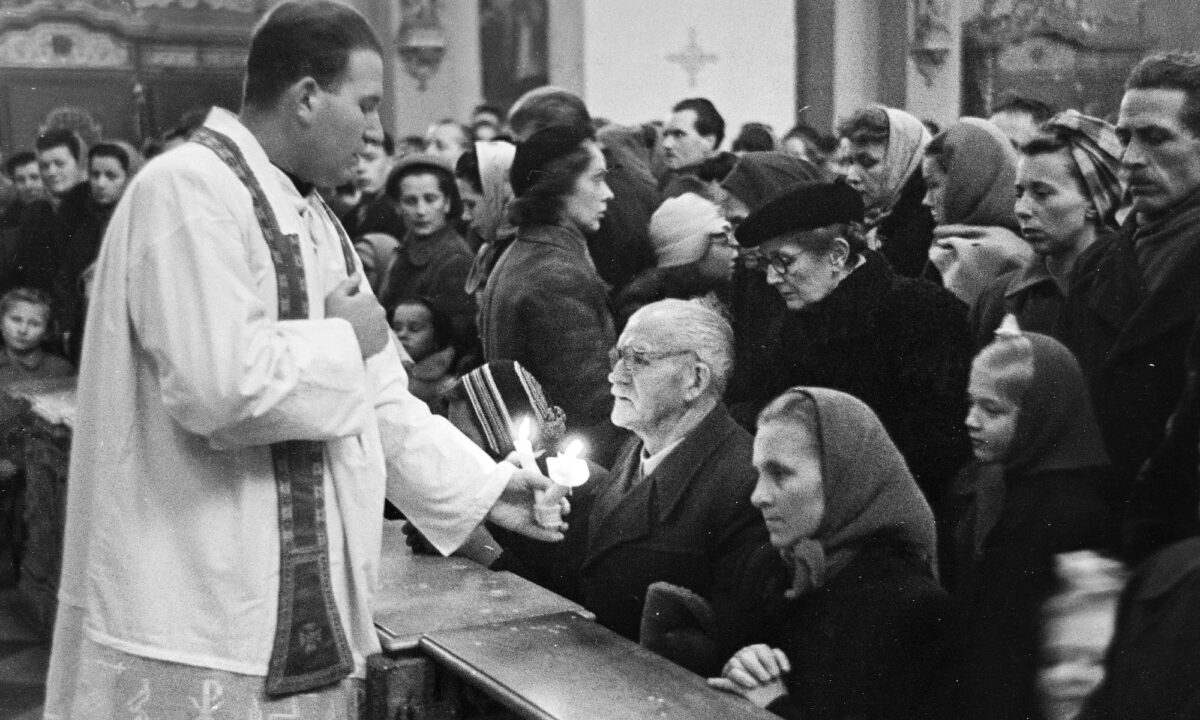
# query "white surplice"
(172, 533)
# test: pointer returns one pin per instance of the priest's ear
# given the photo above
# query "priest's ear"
(304, 98)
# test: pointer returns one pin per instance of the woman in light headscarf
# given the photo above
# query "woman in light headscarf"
(695, 255)
(969, 173)
(1069, 195)
(855, 623)
(482, 176)
(883, 163)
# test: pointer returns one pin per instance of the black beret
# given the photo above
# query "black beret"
(542, 148)
(806, 206)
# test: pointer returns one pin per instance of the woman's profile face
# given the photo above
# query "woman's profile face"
(790, 492)
(585, 206)
(935, 188)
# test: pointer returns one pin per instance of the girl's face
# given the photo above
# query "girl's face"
(422, 204)
(790, 492)
(413, 325)
(24, 326)
(107, 179)
(992, 418)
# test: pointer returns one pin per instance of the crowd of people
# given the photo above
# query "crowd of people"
(881, 420)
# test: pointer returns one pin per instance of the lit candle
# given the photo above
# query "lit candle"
(523, 446)
(568, 468)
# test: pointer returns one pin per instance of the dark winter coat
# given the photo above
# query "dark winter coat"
(1154, 657)
(873, 643)
(434, 267)
(1004, 582)
(1132, 345)
(900, 345)
(42, 236)
(545, 307)
(907, 232)
(689, 523)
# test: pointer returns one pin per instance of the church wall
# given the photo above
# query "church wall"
(746, 53)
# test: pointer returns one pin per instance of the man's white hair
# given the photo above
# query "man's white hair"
(700, 325)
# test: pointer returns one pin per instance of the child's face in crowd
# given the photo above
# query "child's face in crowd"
(107, 179)
(24, 326)
(413, 325)
(992, 419)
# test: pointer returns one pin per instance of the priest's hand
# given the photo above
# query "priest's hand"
(362, 311)
(516, 508)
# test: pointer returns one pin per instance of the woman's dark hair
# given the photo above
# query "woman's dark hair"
(60, 137)
(938, 152)
(303, 39)
(467, 169)
(445, 180)
(754, 137)
(866, 125)
(112, 150)
(542, 202)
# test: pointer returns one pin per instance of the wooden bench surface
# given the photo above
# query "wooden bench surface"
(565, 667)
(423, 593)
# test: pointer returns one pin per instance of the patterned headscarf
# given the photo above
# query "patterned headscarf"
(1097, 153)
(501, 395)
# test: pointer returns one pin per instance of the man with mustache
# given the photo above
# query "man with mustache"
(1134, 300)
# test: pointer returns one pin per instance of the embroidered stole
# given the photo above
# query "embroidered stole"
(310, 648)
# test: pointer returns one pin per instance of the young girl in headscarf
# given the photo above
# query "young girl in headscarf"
(970, 169)
(855, 623)
(1032, 492)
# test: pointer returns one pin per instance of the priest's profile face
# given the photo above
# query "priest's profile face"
(342, 116)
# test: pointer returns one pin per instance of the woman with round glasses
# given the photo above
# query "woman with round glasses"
(901, 345)
(544, 304)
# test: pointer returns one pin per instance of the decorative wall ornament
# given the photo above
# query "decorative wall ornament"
(62, 45)
(245, 6)
(421, 41)
(932, 37)
(692, 58)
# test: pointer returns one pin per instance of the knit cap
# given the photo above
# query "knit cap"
(680, 229)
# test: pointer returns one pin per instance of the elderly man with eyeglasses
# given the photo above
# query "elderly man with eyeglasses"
(676, 506)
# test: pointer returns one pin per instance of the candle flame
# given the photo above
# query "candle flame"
(574, 449)
(523, 430)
